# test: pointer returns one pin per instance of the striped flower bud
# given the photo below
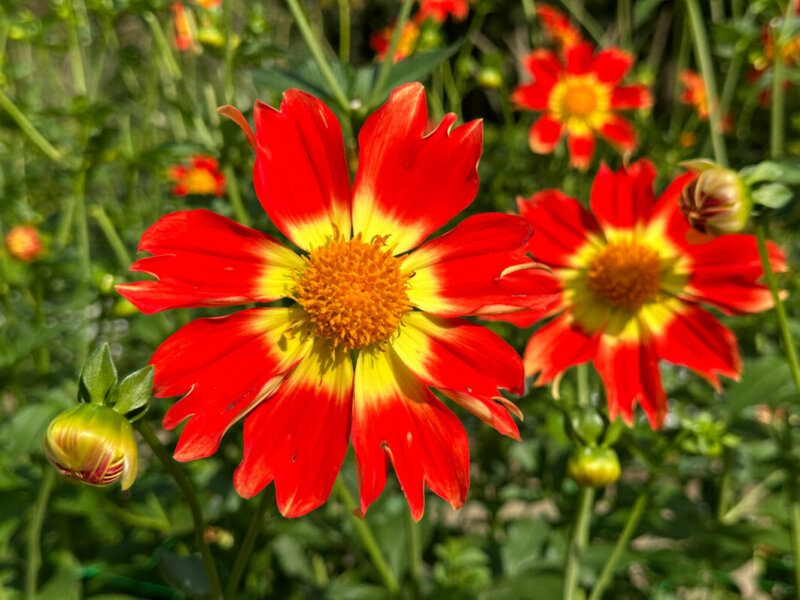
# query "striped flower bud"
(94, 444)
(717, 201)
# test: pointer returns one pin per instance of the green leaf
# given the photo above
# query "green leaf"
(185, 573)
(98, 378)
(772, 172)
(772, 195)
(134, 393)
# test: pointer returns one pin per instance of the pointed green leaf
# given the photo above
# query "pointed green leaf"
(135, 391)
(772, 195)
(98, 378)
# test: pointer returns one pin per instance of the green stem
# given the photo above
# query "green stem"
(624, 23)
(703, 53)
(621, 545)
(84, 259)
(368, 539)
(414, 553)
(112, 235)
(29, 130)
(388, 60)
(580, 537)
(588, 22)
(240, 564)
(75, 57)
(469, 41)
(582, 377)
(187, 490)
(316, 51)
(227, 79)
(163, 46)
(778, 111)
(344, 30)
(235, 196)
(34, 559)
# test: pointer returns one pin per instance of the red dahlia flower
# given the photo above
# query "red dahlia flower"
(381, 40)
(358, 288)
(558, 27)
(694, 94)
(184, 27)
(632, 287)
(202, 177)
(580, 99)
(439, 10)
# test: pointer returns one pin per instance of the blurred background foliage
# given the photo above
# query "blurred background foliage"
(118, 105)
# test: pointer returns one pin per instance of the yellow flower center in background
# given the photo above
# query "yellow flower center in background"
(580, 101)
(627, 273)
(200, 181)
(353, 292)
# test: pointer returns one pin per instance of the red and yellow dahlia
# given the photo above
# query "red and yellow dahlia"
(381, 40)
(24, 243)
(183, 26)
(558, 27)
(359, 289)
(579, 98)
(632, 288)
(694, 94)
(439, 10)
(201, 177)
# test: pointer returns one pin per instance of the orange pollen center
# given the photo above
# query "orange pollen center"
(627, 273)
(201, 181)
(580, 100)
(353, 292)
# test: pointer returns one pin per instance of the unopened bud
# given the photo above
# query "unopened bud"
(490, 77)
(94, 444)
(593, 466)
(23, 243)
(717, 201)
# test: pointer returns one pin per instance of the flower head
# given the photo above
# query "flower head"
(93, 443)
(381, 40)
(558, 27)
(717, 201)
(184, 27)
(694, 94)
(201, 177)
(209, 4)
(632, 288)
(23, 243)
(439, 10)
(580, 98)
(364, 288)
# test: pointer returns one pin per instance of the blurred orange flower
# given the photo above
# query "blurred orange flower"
(183, 23)
(694, 94)
(558, 27)
(380, 41)
(23, 243)
(202, 177)
(439, 10)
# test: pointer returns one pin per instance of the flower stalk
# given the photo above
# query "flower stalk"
(34, 558)
(242, 558)
(388, 62)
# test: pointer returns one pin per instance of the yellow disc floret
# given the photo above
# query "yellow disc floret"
(627, 273)
(581, 102)
(353, 292)
(201, 181)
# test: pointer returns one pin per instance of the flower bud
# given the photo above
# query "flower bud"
(593, 466)
(93, 443)
(717, 201)
(23, 243)
(490, 77)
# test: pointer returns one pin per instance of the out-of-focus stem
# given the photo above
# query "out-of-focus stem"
(778, 111)
(580, 537)
(388, 61)
(414, 552)
(344, 30)
(112, 235)
(28, 129)
(235, 196)
(227, 79)
(34, 558)
(246, 549)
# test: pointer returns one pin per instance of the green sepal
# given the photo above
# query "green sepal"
(134, 394)
(98, 377)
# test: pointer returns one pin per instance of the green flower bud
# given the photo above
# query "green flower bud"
(93, 443)
(490, 77)
(717, 201)
(593, 466)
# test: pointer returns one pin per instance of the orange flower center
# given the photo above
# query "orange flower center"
(353, 292)
(580, 100)
(627, 273)
(200, 181)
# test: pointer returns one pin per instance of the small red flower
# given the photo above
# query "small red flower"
(559, 27)
(632, 288)
(694, 94)
(580, 98)
(23, 243)
(439, 10)
(380, 41)
(365, 286)
(209, 4)
(184, 27)
(201, 177)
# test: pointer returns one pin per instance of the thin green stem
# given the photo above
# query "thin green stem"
(242, 558)
(34, 558)
(163, 46)
(29, 130)
(582, 377)
(344, 30)
(235, 196)
(388, 60)
(778, 110)
(703, 54)
(112, 235)
(414, 552)
(624, 23)
(469, 41)
(316, 51)
(84, 259)
(580, 537)
(529, 10)
(622, 543)
(227, 79)
(75, 57)
(578, 10)
(187, 490)
(368, 539)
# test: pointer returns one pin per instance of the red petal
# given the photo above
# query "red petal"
(533, 96)
(693, 338)
(579, 58)
(225, 366)
(205, 259)
(469, 362)
(619, 132)
(666, 214)
(623, 199)
(299, 437)
(408, 183)
(395, 417)
(611, 65)
(629, 369)
(300, 174)
(544, 135)
(561, 226)
(630, 97)
(555, 347)
(581, 149)
(544, 66)
(725, 273)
